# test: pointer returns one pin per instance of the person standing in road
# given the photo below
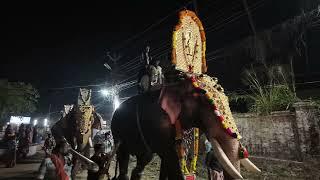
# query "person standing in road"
(49, 144)
(58, 165)
(100, 158)
(214, 168)
(10, 140)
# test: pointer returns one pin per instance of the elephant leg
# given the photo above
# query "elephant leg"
(142, 161)
(163, 171)
(75, 168)
(86, 153)
(123, 159)
(172, 166)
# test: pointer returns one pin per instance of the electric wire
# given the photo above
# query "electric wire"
(153, 25)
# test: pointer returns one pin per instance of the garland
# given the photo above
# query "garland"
(208, 86)
(181, 150)
(214, 92)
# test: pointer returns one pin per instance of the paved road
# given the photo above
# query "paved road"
(20, 171)
(27, 169)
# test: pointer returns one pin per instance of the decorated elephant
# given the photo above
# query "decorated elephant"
(188, 101)
(147, 124)
(77, 124)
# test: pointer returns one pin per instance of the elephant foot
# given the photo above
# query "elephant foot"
(123, 177)
(136, 175)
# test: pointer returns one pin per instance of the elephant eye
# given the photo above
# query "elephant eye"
(195, 94)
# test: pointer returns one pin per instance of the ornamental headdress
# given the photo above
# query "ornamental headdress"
(188, 56)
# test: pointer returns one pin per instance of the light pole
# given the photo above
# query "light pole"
(35, 122)
(116, 102)
(49, 111)
(45, 122)
(111, 95)
(105, 92)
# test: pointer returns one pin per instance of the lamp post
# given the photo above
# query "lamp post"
(111, 95)
(105, 92)
(116, 102)
(45, 124)
(35, 122)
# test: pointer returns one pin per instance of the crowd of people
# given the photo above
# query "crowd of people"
(58, 162)
(17, 142)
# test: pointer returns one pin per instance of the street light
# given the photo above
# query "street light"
(116, 102)
(105, 92)
(35, 122)
(45, 122)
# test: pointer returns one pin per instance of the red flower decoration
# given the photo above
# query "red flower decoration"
(221, 118)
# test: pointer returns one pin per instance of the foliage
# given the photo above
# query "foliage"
(269, 88)
(315, 101)
(281, 41)
(17, 98)
(240, 101)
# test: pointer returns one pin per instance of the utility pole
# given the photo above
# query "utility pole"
(293, 81)
(49, 114)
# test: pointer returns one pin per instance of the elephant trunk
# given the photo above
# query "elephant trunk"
(231, 167)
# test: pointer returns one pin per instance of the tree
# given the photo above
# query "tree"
(282, 44)
(17, 98)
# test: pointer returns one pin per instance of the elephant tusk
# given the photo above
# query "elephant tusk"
(90, 142)
(246, 163)
(224, 160)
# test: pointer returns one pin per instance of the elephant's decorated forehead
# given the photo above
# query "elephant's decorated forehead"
(84, 115)
(219, 101)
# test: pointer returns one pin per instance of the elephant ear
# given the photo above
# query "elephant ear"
(170, 103)
(97, 121)
(57, 129)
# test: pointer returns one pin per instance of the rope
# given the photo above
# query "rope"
(245, 4)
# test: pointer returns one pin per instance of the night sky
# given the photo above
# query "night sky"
(61, 45)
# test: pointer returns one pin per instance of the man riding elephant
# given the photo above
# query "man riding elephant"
(155, 121)
(145, 124)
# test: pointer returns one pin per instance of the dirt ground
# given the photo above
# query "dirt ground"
(271, 169)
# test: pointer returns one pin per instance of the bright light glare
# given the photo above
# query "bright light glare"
(35, 122)
(45, 122)
(105, 92)
(19, 120)
(116, 102)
